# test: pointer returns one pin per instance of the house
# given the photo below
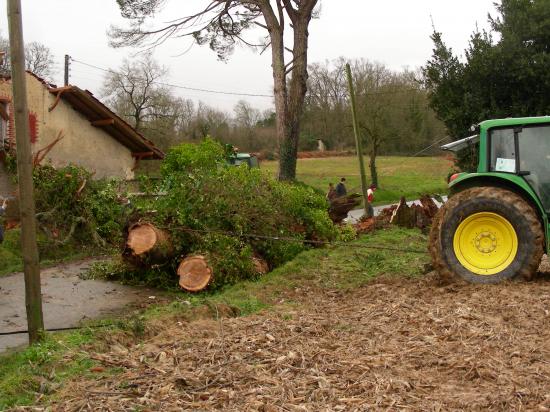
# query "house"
(69, 125)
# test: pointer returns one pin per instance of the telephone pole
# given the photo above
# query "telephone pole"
(67, 64)
(358, 141)
(33, 296)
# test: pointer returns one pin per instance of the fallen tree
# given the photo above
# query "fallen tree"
(236, 219)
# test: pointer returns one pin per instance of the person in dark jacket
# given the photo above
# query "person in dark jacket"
(341, 188)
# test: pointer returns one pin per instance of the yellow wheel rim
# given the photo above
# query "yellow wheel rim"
(485, 243)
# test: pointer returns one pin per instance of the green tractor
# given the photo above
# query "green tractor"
(494, 226)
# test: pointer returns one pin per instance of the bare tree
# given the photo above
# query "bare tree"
(38, 59)
(133, 91)
(245, 115)
(221, 25)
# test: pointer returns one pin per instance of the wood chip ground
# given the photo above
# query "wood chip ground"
(395, 344)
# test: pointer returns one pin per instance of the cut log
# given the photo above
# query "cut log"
(148, 243)
(260, 265)
(195, 273)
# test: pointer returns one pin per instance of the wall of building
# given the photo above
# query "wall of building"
(7, 187)
(82, 144)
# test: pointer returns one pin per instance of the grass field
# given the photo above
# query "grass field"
(398, 176)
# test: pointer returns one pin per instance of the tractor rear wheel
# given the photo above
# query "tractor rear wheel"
(486, 235)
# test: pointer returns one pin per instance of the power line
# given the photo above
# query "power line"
(430, 146)
(196, 89)
(231, 93)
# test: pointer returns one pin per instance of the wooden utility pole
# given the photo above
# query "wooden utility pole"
(67, 63)
(33, 296)
(358, 141)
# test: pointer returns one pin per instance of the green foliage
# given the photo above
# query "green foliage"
(346, 233)
(498, 79)
(230, 258)
(230, 214)
(193, 158)
(76, 216)
(68, 199)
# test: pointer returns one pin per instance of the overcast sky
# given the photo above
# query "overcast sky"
(393, 32)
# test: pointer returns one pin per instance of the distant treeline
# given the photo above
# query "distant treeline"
(393, 112)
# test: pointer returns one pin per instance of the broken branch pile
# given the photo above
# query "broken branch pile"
(73, 208)
(415, 216)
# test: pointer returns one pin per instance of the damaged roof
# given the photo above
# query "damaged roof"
(101, 116)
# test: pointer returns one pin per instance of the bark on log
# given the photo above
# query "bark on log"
(195, 273)
(260, 265)
(145, 242)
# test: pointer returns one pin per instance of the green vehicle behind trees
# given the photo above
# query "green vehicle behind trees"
(246, 158)
(495, 225)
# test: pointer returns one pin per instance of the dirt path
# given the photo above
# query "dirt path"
(394, 344)
(67, 300)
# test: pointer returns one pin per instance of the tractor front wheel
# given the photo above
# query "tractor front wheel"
(486, 235)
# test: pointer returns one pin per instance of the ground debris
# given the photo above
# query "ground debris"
(394, 344)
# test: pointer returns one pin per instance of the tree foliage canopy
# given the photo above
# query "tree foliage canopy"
(504, 72)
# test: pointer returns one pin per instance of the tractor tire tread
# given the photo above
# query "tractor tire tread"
(446, 274)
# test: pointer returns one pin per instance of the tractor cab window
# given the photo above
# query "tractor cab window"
(503, 152)
(534, 154)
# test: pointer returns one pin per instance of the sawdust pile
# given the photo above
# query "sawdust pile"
(396, 343)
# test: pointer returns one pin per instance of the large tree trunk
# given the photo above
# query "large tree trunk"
(298, 88)
(289, 100)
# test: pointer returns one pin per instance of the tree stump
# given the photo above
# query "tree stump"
(195, 273)
(403, 216)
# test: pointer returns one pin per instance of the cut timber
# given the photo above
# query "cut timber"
(195, 273)
(146, 241)
(260, 265)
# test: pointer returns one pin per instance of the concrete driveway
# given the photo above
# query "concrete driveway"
(67, 300)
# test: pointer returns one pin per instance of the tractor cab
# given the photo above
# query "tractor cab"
(238, 159)
(518, 149)
(495, 224)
